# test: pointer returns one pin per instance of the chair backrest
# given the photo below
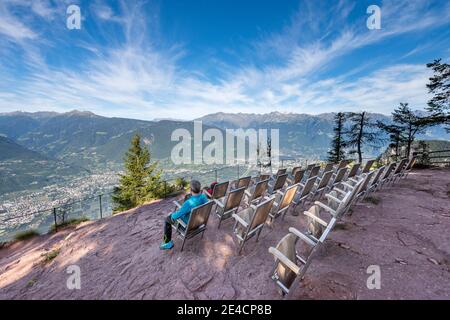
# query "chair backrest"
(378, 174)
(329, 167)
(314, 171)
(354, 170)
(280, 172)
(295, 169)
(365, 184)
(199, 216)
(263, 177)
(367, 166)
(308, 186)
(388, 171)
(260, 188)
(220, 190)
(410, 163)
(261, 213)
(350, 197)
(325, 180)
(310, 166)
(400, 166)
(279, 183)
(234, 199)
(341, 165)
(243, 182)
(340, 175)
(298, 176)
(288, 196)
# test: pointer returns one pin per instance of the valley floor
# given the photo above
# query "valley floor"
(406, 234)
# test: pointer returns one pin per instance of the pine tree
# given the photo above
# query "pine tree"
(409, 124)
(141, 181)
(395, 137)
(336, 153)
(439, 105)
(360, 133)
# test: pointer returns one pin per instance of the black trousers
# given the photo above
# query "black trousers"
(168, 228)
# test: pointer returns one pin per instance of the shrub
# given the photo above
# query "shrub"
(24, 235)
(49, 256)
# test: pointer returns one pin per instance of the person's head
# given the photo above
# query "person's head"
(196, 187)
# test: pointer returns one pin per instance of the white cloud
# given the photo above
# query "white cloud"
(135, 78)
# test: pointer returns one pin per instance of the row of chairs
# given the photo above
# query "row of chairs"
(264, 197)
(290, 265)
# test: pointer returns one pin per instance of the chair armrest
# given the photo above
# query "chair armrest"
(329, 196)
(340, 191)
(301, 236)
(325, 207)
(207, 193)
(220, 204)
(240, 220)
(177, 204)
(348, 185)
(317, 219)
(179, 221)
(284, 260)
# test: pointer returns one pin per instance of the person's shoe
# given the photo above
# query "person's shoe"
(167, 245)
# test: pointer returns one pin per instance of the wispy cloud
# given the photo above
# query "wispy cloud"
(132, 72)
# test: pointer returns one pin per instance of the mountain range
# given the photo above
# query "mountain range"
(80, 140)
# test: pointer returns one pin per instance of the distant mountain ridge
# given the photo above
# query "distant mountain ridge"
(86, 139)
(22, 168)
(66, 143)
(303, 134)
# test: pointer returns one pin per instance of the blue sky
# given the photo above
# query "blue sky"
(185, 59)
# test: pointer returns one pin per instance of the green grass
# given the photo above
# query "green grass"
(373, 200)
(50, 256)
(69, 223)
(24, 235)
(31, 282)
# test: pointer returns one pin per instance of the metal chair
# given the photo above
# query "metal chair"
(250, 221)
(230, 205)
(283, 201)
(196, 224)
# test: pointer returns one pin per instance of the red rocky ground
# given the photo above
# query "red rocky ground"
(406, 234)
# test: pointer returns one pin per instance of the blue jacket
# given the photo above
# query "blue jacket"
(185, 211)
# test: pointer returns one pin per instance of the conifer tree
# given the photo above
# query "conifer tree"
(337, 153)
(395, 137)
(360, 133)
(409, 124)
(141, 180)
(439, 85)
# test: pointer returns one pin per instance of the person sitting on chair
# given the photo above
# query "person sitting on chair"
(196, 199)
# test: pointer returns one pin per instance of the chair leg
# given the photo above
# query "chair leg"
(241, 246)
(257, 236)
(182, 245)
(202, 234)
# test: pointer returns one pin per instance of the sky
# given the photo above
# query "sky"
(185, 59)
